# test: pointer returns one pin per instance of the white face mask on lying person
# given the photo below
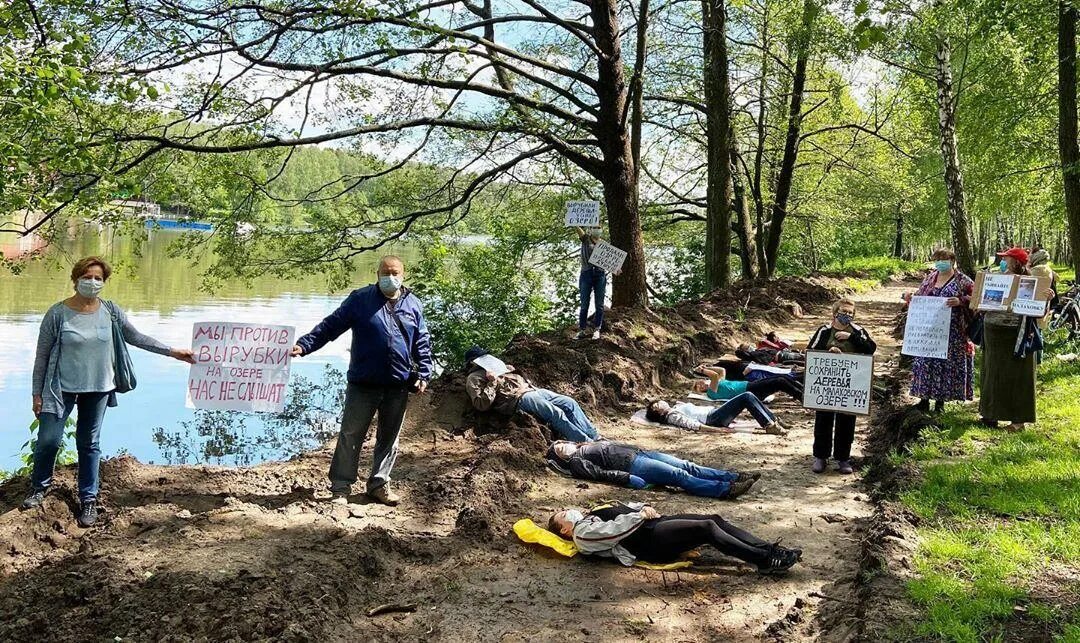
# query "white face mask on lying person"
(574, 516)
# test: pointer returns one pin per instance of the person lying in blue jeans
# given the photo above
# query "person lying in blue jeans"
(693, 417)
(510, 392)
(628, 466)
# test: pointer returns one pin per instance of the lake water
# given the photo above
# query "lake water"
(163, 297)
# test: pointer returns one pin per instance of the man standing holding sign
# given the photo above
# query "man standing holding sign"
(391, 357)
(839, 372)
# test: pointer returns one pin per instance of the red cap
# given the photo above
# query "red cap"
(1019, 254)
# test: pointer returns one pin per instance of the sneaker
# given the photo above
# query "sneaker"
(819, 465)
(779, 560)
(923, 405)
(776, 428)
(36, 497)
(88, 513)
(743, 476)
(339, 498)
(384, 495)
(595, 334)
(582, 334)
(844, 467)
(739, 487)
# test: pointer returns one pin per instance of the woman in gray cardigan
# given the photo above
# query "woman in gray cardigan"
(76, 366)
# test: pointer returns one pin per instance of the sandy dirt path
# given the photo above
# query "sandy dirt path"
(205, 553)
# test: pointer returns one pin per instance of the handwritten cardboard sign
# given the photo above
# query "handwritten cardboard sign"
(996, 291)
(926, 333)
(585, 214)
(239, 367)
(838, 382)
(607, 257)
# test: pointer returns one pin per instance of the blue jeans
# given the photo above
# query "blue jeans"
(664, 469)
(87, 435)
(725, 413)
(561, 413)
(593, 285)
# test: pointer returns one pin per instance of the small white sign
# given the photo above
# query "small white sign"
(239, 367)
(838, 382)
(585, 214)
(492, 365)
(1029, 307)
(607, 257)
(926, 333)
(995, 290)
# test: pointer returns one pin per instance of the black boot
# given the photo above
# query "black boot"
(939, 406)
(923, 405)
(88, 513)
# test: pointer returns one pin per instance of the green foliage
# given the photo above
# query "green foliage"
(479, 294)
(64, 456)
(997, 510)
(876, 268)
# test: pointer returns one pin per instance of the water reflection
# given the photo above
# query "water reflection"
(164, 298)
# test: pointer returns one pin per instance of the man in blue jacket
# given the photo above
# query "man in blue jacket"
(391, 357)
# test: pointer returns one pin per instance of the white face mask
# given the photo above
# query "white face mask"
(574, 516)
(389, 284)
(89, 288)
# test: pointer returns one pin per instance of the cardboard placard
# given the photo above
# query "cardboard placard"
(926, 333)
(1029, 307)
(838, 382)
(607, 257)
(239, 367)
(585, 214)
(997, 291)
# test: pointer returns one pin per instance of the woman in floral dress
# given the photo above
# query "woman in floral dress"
(951, 378)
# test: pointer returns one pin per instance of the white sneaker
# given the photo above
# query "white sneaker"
(338, 498)
(595, 334)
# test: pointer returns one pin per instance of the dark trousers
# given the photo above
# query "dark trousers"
(361, 404)
(664, 539)
(829, 443)
(723, 415)
(783, 384)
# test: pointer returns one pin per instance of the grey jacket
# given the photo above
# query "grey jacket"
(594, 535)
(46, 377)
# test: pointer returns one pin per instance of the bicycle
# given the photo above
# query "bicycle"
(1065, 316)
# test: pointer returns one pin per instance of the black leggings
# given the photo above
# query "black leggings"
(768, 386)
(665, 539)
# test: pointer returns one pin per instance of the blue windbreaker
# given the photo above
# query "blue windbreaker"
(380, 355)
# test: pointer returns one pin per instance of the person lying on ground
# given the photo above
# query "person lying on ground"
(629, 466)
(718, 387)
(510, 392)
(696, 418)
(772, 340)
(632, 531)
(769, 355)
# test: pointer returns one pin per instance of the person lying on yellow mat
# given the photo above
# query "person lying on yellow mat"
(632, 531)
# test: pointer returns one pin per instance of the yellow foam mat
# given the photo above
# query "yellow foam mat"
(528, 531)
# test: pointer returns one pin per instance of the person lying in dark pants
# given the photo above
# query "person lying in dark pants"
(719, 387)
(693, 417)
(632, 531)
(628, 466)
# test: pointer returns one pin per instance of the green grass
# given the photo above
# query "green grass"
(997, 509)
(876, 268)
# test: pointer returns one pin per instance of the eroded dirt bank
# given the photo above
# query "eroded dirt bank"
(205, 553)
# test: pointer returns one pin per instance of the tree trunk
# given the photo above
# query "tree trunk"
(950, 155)
(791, 143)
(759, 152)
(898, 243)
(744, 229)
(619, 176)
(718, 133)
(1067, 125)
